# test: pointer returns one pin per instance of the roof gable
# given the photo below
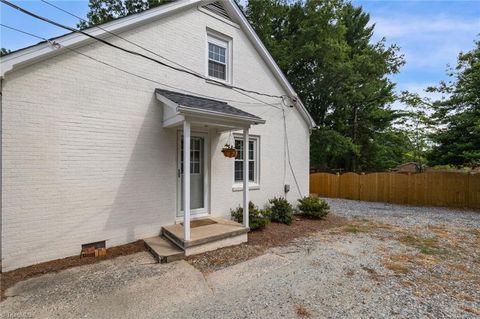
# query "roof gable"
(44, 50)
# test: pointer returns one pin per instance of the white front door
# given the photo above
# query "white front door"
(198, 169)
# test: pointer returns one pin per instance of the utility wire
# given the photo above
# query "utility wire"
(57, 45)
(146, 49)
(288, 152)
(36, 16)
(118, 36)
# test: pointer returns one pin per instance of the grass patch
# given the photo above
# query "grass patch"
(426, 245)
(353, 229)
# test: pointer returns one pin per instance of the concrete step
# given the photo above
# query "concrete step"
(163, 250)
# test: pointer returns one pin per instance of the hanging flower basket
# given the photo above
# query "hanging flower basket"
(229, 151)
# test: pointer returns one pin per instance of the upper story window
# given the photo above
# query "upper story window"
(218, 59)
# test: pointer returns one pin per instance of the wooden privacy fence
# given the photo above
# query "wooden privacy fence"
(429, 188)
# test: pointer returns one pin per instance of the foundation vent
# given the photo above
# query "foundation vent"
(96, 249)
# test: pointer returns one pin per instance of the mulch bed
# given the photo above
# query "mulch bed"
(274, 234)
(8, 279)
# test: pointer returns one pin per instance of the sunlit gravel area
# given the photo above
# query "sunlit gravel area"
(403, 214)
(385, 261)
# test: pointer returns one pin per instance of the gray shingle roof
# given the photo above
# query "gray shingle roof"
(200, 103)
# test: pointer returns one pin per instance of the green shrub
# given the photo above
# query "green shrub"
(258, 218)
(281, 210)
(313, 207)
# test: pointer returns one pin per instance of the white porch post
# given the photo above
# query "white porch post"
(186, 180)
(245, 177)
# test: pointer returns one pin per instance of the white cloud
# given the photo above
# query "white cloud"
(407, 26)
(431, 42)
(420, 89)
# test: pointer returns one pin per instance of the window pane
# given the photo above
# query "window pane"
(251, 148)
(251, 163)
(239, 148)
(238, 171)
(216, 70)
(251, 171)
(217, 53)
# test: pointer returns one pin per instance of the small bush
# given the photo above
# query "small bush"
(281, 211)
(258, 218)
(313, 207)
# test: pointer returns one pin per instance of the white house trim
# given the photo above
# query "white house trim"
(44, 50)
(245, 178)
(237, 14)
(186, 181)
(174, 114)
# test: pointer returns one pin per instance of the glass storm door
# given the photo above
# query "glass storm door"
(197, 175)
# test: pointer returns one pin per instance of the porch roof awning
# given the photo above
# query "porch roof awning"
(190, 105)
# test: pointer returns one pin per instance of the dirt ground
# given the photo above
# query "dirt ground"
(259, 241)
(8, 279)
(366, 260)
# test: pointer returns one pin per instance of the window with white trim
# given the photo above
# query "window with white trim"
(218, 58)
(253, 158)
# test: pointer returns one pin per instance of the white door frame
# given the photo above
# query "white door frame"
(198, 212)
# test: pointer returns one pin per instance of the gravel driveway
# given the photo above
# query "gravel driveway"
(404, 215)
(390, 261)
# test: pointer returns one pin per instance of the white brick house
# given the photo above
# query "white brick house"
(92, 153)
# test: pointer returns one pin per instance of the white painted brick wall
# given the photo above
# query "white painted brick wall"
(85, 157)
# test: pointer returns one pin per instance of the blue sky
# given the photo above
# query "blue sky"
(430, 33)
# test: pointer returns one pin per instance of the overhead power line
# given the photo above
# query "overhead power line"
(55, 44)
(118, 36)
(36, 16)
(146, 49)
(286, 144)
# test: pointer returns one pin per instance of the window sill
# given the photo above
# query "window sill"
(216, 82)
(239, 187)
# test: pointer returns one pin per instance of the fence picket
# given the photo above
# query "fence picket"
(450, 189)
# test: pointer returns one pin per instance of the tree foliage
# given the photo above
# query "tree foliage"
(4, 51)
(417, 126)
(101, 11)
(457, 140)
(325, 49)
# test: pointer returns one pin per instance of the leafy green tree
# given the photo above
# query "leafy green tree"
(457, 141)
(326, 51)
(101, 11)
(4, 51)
(417, 125)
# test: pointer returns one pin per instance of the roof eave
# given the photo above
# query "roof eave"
(187, 110)
(43, 50)
(40, 51)
(252, 35)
